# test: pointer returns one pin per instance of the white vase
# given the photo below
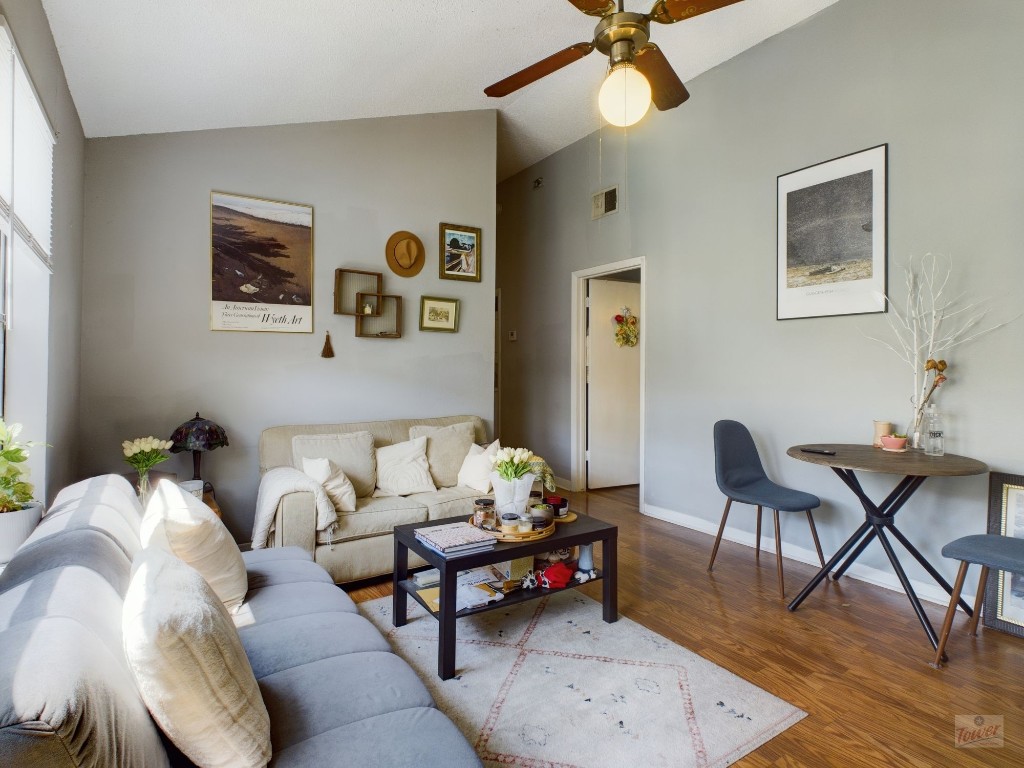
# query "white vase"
(511, 495)
(16, 526)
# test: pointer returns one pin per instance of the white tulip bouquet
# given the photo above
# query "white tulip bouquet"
(144, 453)
(513, 463)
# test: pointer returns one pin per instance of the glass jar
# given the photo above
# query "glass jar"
(510, 523)
(525, 522)
(483, 514)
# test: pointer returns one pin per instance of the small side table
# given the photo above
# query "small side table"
(211, 501)
(155, 476)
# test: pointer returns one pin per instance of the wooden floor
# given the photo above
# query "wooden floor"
(853, 656)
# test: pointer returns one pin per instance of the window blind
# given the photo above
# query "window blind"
(26, 146)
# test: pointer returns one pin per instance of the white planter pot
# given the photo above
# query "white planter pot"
(511, 495)
(16, 526)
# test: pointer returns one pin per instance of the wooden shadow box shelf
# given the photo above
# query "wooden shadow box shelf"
(349, 284)
(386, 323)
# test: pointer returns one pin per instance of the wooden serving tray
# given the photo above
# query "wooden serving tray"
(518, 537)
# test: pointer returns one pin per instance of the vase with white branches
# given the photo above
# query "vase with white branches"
(932, 322)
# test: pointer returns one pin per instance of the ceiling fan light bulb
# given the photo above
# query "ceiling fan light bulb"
(625, 95)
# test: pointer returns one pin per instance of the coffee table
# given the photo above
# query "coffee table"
(583, 530)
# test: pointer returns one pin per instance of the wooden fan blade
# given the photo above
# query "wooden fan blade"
(541, 69)
(667, 90)
(595, 7)
(671, 11)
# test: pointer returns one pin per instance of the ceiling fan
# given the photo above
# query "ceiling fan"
(638, 71)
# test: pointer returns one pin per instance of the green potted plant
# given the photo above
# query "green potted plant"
(19, 513)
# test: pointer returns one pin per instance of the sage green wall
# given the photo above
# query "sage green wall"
(943, 87)
(150, 360)
(35, 43)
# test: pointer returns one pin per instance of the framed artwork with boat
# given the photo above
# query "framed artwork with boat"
(832, 232)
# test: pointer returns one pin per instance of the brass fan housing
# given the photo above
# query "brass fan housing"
(619, 35)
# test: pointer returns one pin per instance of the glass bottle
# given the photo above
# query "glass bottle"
(934, 443)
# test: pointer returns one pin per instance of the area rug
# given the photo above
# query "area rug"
(548, 683)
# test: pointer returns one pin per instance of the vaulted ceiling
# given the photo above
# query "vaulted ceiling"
(151, 66)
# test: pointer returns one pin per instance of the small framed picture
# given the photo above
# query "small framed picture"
(437, 314)
(459, 253)
(1004, 596)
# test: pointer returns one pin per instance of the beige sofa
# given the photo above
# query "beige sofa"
(361, 544)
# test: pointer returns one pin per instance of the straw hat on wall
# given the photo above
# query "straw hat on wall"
(405, 254)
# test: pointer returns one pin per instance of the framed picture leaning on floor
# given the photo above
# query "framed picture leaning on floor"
(1004, 595)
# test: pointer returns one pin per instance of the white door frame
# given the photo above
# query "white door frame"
(578, 356)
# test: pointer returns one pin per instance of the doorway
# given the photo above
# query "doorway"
(607, 380)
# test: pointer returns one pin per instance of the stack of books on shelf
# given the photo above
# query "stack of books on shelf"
(454, 539)
(427, 578)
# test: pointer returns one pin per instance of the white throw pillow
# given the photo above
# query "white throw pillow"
(337, 486)
(402, 469)
(447, 447)
(181, 524)
(189, 665)
(351, 452)
(476, 469)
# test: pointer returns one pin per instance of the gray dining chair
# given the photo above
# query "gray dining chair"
(989, 550)
(742, 478)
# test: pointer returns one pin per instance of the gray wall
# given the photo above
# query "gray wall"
(35, 43)
(150, 361)
(943, 88)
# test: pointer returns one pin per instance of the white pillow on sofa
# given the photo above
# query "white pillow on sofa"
(402, 469)
(476, 468)
(179, 523)
(189, 665)
(447, 447)
(351, 452)
(337, 486)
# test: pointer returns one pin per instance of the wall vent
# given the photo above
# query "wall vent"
(604, 202)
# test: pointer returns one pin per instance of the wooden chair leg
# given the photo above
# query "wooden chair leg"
(947, 623)
(814, 535)
(778, 555)
(979, 601)
(721, 528)
(757, 552)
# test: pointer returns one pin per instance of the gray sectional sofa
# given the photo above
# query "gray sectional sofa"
(361, 545)
(335, 693)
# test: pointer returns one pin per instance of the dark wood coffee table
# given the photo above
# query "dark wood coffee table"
(583, 530)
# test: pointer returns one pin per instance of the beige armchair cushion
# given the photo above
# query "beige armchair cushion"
(476, 467)
(447, 448)
(402, 469)
(336, 484)
(352, 452)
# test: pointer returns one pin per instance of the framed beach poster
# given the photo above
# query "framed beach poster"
(262, 265)
(1004, 596)
(832, 237)
(459, 253)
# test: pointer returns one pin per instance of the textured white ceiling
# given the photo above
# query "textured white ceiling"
(152, 66)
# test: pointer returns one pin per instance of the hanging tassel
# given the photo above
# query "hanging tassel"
(328, 349)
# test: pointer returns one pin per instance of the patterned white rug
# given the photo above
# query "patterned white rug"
(548, 683)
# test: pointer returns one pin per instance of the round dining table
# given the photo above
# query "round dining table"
(879, 518)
